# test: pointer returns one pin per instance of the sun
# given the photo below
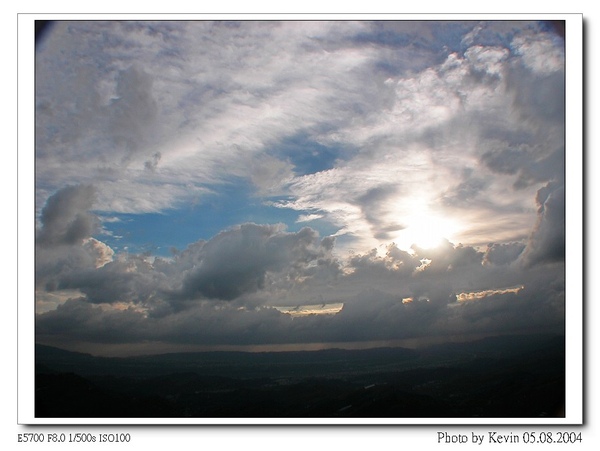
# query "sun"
(426, 230)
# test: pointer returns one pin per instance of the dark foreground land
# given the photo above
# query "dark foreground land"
(515, 376)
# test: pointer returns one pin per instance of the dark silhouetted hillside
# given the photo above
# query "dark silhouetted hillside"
(519, 377)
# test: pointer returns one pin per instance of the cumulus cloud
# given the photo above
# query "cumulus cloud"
(126, 279)
(87, 322)
(540, 52)
(503, 253)
(64, 242)
(370, 314)
(547, 241)
(252, 264)
(236, 261)
(239, 261)
(65, 217)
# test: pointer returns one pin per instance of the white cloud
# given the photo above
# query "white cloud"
(487, 59)
(104, 254)
(308, 218)
(540, 52)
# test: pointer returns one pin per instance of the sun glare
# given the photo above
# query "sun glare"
(426, 230)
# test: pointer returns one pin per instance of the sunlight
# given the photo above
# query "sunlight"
(426, 230)
(477, 295)
(313, 309)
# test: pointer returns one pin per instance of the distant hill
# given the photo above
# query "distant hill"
(327, 361)
(513, 376)
(220, 362)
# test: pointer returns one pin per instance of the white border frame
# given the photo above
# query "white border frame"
(574, 221)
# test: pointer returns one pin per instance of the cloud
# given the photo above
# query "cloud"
(468, 192)
(133, 111)
(308, 218)
(152, 164)
(503, 254)
(63, 240)
(269, 175)
(368, 315)
(478, 295)
(542, 53)
(315, 309)
(547, 240)
(254, 265)
(227, 291)
(530, 163)
(236, 261)
(102, 253)
(129, 279)
(486, 59)
(373, 204)
(446, 120)
(78, 320)
(65, 217)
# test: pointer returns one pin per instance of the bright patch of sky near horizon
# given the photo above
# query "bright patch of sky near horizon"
(409, 136)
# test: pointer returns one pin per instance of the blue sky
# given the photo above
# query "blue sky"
(195, 173)
(233, 201)
(173, 229)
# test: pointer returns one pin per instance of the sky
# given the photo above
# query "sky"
(297, 184)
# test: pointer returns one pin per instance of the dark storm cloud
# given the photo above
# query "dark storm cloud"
(130, 279)
(448, 257)
(548, 167)
(379, 315)
(539, 98)
(507, 160)
(503, 254)
(68, 257)
(61, 241)
(66, 218)
(535, 309)
(54, 264)
(78, 319)
(531, 165)
(233, 263)
(454, 270)
(372, 314)
(236, 261)
(547, 241)
(437, 275)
